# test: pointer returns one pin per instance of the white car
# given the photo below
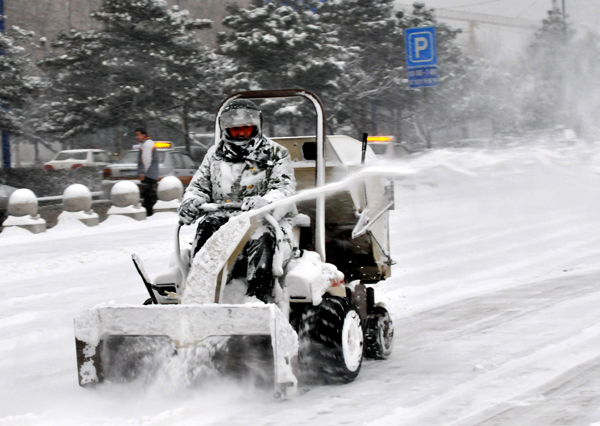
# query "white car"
(74, 158)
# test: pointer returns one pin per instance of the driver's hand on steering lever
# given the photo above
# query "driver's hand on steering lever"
(189, 210)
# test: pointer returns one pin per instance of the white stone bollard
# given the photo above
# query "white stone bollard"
(170, 193)
(125, 196)
(77, 204)
(22, 211)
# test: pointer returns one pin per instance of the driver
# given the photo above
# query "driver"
(248, 168)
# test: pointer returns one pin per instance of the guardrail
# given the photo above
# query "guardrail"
(59, 198)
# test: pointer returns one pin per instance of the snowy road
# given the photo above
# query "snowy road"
(495, 299)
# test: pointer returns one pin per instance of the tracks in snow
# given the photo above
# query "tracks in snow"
(505, 358)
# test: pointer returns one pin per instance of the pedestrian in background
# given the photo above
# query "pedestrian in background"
(147, 169)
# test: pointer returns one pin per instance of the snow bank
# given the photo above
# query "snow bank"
(77, 220)
(114, 225)
(125, 210)
(23, 220)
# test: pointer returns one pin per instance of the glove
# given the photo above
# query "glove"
(188, 211)
(254, 203)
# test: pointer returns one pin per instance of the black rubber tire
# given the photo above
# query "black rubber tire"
(329, 353)
(148, 301)
(379, 334)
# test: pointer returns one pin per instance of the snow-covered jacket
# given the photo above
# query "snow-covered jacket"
(266, 171)
(148, 160)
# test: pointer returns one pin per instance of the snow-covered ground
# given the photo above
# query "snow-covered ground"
(494, 296)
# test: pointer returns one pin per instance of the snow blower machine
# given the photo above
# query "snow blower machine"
(324, 318)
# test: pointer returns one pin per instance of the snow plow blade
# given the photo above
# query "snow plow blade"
(185, 326)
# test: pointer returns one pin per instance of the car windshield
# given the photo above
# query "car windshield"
(129, 157)
(132, 157)
(71, 155)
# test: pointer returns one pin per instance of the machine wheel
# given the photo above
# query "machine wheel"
(331, 342)
(148, 301)
(379, 334)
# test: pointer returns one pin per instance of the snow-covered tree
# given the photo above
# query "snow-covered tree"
(144, 64)
(583, 88)
(373, 88)
(349, 52)
(16, 84)
(545, 74)
(493, 95)
(374, 57)
(430, 109)
(280, 44)
(557, 83)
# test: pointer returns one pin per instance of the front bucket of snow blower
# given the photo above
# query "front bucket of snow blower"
(183, 326)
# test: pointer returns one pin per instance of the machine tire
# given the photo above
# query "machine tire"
(148, 301)
(379, 334)
(331, 342)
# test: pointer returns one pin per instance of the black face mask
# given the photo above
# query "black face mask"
(233, 151)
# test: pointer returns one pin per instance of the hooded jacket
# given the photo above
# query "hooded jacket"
(266, 170)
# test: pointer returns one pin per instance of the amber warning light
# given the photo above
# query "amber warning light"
(380, 138)
(162, 144)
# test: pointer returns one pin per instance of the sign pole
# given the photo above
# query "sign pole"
(5, 136)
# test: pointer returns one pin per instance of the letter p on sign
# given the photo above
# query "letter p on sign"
(420, 47)
(421, 44)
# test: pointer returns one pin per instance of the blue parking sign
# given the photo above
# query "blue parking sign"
(420, 47)
(421, 57)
